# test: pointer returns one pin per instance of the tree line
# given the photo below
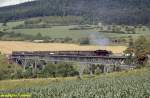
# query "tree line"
(107, 11)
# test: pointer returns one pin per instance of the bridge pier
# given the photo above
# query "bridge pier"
(24, 64)
(33, 71)
(81, 70)
(90, 67)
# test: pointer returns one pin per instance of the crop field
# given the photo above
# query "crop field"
(128, 84)
(7, 47)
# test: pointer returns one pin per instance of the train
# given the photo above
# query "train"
(69, 53)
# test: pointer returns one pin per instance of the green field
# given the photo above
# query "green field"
(138, 33)
(63, 31)
(57, 32)
(127, 84)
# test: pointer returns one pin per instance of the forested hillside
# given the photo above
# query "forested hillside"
(107, 11)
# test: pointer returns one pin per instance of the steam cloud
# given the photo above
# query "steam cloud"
(98, 39)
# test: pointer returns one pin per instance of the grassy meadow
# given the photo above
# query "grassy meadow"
(57, 32)
(63, 31)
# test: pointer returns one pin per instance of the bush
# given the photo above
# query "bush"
(8, 71)
(66, 69)
(27, 73)
(85, 41)
(57, 70)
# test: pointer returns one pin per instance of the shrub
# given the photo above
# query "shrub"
(56, 70)
(84, 41)
(8, 71)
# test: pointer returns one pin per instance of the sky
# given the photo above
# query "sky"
(11, 2)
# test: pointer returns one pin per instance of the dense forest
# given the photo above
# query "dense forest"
(129, 12)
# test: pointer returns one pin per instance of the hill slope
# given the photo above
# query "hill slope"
(108, 11)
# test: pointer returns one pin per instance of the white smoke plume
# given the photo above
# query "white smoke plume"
(98, 39)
